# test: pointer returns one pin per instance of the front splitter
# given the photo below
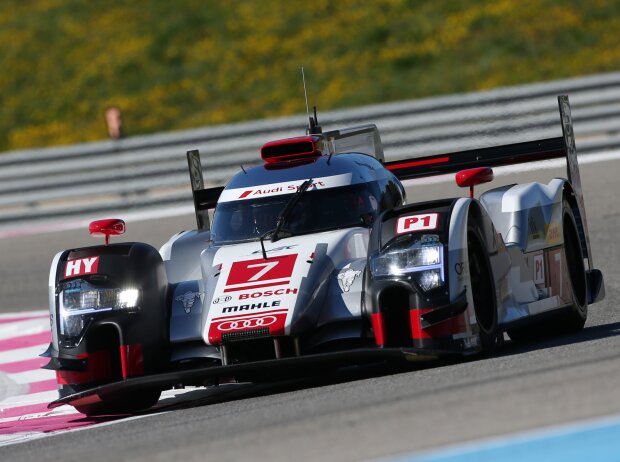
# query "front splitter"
(302, 366)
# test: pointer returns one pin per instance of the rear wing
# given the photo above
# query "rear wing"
(509, 154)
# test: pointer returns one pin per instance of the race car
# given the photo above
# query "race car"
(313, 261)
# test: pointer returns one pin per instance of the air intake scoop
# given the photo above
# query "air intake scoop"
(291, 149)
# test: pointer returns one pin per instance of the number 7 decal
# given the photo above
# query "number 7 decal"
(250, 274)
(267, 266)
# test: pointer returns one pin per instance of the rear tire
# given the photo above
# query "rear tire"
(573, 318)
(128, 404)
(482, 288)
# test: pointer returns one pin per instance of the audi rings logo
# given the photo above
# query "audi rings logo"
(250, 323)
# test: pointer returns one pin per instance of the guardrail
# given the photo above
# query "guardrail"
(151, 171)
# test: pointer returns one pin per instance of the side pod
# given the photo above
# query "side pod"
(110, 321)
(411, 297)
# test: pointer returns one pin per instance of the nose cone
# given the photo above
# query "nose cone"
(253, 296)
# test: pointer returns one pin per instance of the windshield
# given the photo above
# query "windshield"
(322, 210)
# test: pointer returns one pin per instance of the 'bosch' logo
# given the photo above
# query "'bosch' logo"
(246, 323)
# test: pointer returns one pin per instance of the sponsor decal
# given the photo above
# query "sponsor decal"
(81, 266)
(539, 269)
(269, 293)
(277, 249)
(276, 189)
(222, 299)
(273, 320)
(429, 239)
(534, 230)
(251, 274)
(188, 299)
(459, 267)
(553, 234)
(248, 323)
(251, 306)
(414, 223)
(346, 277)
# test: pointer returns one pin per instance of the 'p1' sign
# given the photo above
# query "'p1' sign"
(413, 223)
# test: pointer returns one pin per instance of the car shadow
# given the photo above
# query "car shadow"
(235, 391)
(588, 334)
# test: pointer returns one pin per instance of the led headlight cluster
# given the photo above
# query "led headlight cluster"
(423, 259)
(80, 298)
(99, 299)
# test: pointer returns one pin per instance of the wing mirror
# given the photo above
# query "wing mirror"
(474, 176)
(108, 227)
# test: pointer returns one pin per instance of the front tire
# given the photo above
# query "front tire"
(483, 289)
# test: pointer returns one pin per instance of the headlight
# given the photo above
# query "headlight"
(81, 301)
(406, 259)
(423, 259)
(429, 279)
(79, 298)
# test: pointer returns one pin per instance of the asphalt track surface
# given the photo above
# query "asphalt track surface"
(372, 413)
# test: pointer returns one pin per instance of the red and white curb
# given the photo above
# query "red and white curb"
(26, 389)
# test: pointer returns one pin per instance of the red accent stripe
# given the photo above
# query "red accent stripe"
(258, 286)
(132, 360)
(245, 194)
(23, 366)
(417, 333)
(98, 367)
(455, 325)
(418, 163)
(43, 385)
(25, 341)
(258, 313)
(378, 325)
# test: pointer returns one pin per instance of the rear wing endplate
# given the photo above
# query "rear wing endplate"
(509, 154)
(204, 199)
(364, 139)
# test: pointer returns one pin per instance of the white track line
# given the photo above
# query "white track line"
(26, 400)
(24, 314)
(23, 328)
(36, 375)
(22, 354)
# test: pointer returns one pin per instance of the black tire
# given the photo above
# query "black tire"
(130, 403)
(482, 288)
(573, 318)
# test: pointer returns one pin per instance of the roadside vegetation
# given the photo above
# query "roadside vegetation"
(188, 63)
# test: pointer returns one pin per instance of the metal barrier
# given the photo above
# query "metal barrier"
(151, 171)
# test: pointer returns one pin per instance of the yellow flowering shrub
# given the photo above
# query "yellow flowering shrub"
(191, 63)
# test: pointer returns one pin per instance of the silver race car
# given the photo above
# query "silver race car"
(314, 261)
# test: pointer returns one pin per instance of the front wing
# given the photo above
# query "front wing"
(303, 366)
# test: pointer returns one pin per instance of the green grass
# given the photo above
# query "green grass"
(188, 63)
